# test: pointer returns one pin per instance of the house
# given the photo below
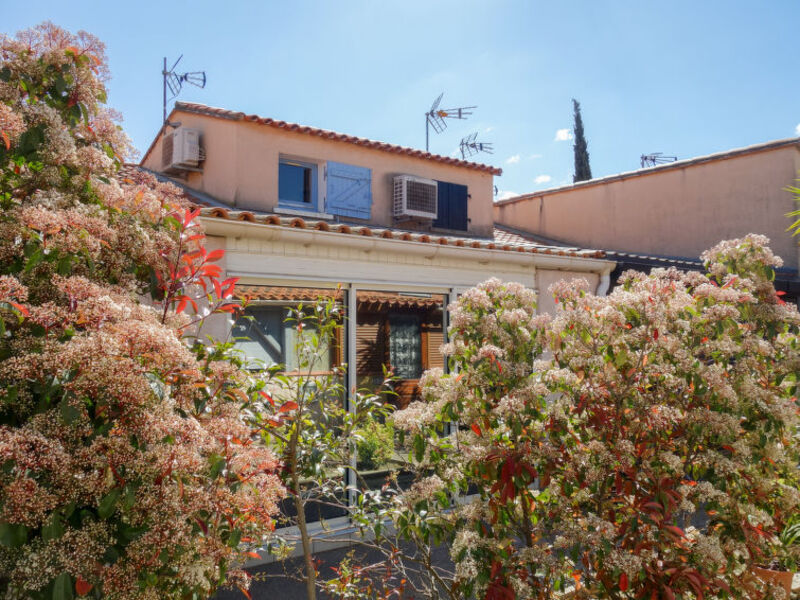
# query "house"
(401, 232)
(669, 214)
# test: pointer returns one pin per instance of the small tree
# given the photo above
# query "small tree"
(583, 171)
(304, 417)
(128, 468)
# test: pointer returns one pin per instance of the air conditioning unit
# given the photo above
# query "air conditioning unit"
(415, 197)
(181, 150)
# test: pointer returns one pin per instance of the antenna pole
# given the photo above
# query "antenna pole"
(164, 78)
(427, 135)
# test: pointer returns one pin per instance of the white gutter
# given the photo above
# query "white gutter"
(226, 227)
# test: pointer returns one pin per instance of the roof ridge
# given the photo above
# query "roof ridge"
(224, 113)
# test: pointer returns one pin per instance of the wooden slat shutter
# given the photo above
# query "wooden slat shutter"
(452, 206)
(349, 191)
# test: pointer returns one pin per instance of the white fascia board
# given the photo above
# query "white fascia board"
(226, 227)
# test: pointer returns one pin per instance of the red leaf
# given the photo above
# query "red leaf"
(253, 554)
(246, 593)
(5, 139)
(623, 582)
(82, 587)
(184, 300)
(217, 287)
(190, 216)
(215, 255)
(19, 307)
(677, 531)
(655, 334)
(268, 397)
(287, 406)
(476, 429)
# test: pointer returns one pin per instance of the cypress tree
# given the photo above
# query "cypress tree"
(582, 169)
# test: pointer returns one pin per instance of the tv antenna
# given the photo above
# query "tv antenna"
(656, 158)
(174, 82)
(470, 146)
(436, 116)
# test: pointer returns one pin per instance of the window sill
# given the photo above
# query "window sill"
(296, 212)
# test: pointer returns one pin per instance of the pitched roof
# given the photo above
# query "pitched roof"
(499, 242)
(222, 113)
(502, 238)
(681, 164)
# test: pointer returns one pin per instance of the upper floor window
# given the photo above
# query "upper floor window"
(297, 184)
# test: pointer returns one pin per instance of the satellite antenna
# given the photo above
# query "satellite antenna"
(436, 116)
(174, 82)
(470, 146)
(656, 158)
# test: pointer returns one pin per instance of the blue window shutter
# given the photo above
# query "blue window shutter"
(349, 191)
(452, 206)
(442, 205)
(458, 207)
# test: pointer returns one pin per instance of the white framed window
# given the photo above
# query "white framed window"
(298, 184)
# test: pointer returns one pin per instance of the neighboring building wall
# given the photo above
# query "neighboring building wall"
(670, 211)
(241, 168)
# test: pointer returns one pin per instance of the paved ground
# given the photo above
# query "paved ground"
(274, 581)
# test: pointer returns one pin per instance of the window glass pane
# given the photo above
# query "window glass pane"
(268, 332)
(294, 183)
(259, 335)
(405, 346)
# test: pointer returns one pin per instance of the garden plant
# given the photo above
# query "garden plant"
(128, 468)
(639, 445)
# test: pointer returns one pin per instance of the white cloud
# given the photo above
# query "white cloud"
(797, 129)
(535, 156)
(542, 179)
(512, 160)
(505, 194)
(562, 135)
(488, 130)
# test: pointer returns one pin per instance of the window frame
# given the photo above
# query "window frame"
(317, 170)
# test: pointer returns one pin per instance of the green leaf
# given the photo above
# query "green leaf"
(217, 465)
(419, 448)
(62, 587)
(69, 413)
(106, 507)
(13, 535)
(53, 529)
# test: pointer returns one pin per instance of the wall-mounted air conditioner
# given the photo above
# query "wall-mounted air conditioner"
(181, 150)
(415, 197)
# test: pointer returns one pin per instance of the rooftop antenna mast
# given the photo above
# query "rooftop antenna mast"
(174, 82)
(436, 116)
(656, 158)
(470, 146)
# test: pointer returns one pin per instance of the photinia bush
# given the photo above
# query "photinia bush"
(639, 445)
(128, 468)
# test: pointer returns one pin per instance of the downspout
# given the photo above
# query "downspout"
(605, 282)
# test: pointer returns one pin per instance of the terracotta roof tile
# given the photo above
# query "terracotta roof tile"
(210, 111)
(365, 299)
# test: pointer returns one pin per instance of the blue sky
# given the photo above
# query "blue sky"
(682, 77)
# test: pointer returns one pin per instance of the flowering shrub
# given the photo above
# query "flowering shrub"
(128, 469)
(640, 445)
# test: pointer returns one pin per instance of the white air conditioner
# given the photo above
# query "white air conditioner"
(181, 150)
(415, 197)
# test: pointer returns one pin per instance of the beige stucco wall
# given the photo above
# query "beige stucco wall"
(241, 167)
(547, 277)
(676, 212)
